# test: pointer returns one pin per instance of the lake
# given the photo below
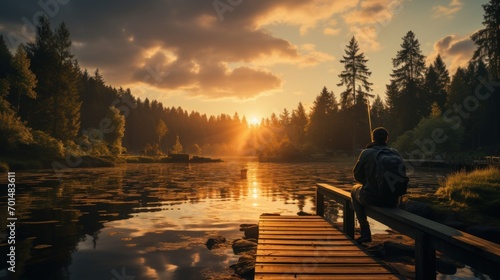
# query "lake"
(151, 221)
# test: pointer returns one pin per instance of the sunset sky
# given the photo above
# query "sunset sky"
(254, 57)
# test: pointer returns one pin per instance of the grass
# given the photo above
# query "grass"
(474, 194)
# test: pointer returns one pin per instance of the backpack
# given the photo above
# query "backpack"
(390, 173)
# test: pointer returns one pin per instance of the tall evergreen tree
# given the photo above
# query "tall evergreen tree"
(5, 67)
(435, 87)
(285, 118)
(488, 51)
(393, 99)
(378, 113)
(430, 91)
(443, 82)
(321, 120)
(488, 38)
(5, 59)
(298, 122)
(407, 75)
(355, 76)
(22, 81)
(57, 110)
(458, 89)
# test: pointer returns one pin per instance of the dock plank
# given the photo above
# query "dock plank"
(308, 247)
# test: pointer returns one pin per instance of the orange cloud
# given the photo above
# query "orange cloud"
(454, 50)
(369, 17)
(192, 47)
(447, 11)
(304, 13)
(331, 31)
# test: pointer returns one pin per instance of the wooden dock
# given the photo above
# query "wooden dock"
(308, 247)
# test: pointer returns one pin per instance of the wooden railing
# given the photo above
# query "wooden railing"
(429, 236)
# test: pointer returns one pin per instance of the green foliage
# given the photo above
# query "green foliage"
(93, 144)
(114, 130)
(161, 131)
(45, 146)
(488, 38)
(479, 189)
(177, 148)
(57, 108)
(22, 81)
(14, 132)
(152, 150)
(404, 143)
(433, 137)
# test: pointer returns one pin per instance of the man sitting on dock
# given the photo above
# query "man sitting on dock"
(381, 172)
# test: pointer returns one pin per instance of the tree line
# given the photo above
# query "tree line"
(50, 107)
(429, 113)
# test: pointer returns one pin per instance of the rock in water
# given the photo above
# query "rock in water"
(245, 266)
(252, 232)
(215, 242)
(241, 246)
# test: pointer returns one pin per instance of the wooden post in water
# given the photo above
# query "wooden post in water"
(320, 203)
(348, 225)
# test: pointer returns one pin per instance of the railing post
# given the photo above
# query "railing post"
(348, 223)
(320, 203)
(425, 258)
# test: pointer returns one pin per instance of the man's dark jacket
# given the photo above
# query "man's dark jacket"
(365, 173)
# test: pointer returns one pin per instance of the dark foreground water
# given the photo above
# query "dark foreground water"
(151, 221)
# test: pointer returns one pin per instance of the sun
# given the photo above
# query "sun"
(254, 121)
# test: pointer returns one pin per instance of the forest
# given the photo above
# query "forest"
(52, 109)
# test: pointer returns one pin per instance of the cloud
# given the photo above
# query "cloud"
(196, 47)
(304, 13)
(331, 31)
(311, 56)
(449, 11)
(368, 18)
(454, 50)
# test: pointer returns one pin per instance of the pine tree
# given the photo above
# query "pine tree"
(435, 86)
(5, 59)
(57, 109)
(407, 76)
(285, 118)
(430, 90)
(5, 67)
(298, 122)
(22, 81)
(355, 76)
(378, 113)
(488, 38)
(319, 130)
(177, 148)
(443, 82)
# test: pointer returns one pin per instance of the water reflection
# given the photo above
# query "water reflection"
(150, 221)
